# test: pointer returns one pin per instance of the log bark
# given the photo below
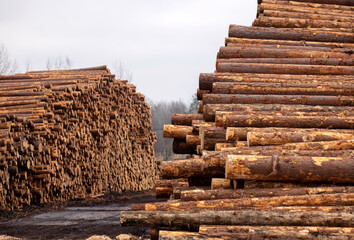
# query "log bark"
(211, 109)
(240, 133)
(192, 140)
(275, 232)
(310, 16)
(202, 195)
(288, 168)
(331, 145)
(298, 61)
(293, 34)
(261, 52)
(185, 119)
(221, 183)
(260, 120)
(279, 22)
(275, 217)
(334, 2)
(177, 131)
(284, 69)
(206, 80)
(169, 235)
(304, 9)
(278, 138)
(164, 188)
(237, 41)
(283, 89)
(278, 99)
(181, 147)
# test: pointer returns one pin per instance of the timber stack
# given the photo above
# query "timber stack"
(68, 134)
(272, 143)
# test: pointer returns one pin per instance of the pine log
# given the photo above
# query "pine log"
(261, 52)
(331, 199)
(186, 168)
(206, 80)
(193, 140)
(278, 99)
(240, 133)
(236, 41)
(284, 69)
(304, 9)
(331, 145)
(290, 216)
(201, 195)
(278, 138)
(181, 147)
(261, 120)
(279, 22)
(293, 34)
(177, 131)
(310, 16)
(275, 232)
(220, 183)
(185, 119)
(320, 4)
(298, 61)
(334, 2)
(289, 168)
(169, 235)
(211, 109)
(164, 188)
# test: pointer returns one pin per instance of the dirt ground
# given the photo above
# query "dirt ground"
(76, 219)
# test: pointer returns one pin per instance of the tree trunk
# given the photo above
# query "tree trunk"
(185, 119)
(295, 34)
(275, 232)
(278, 99)
(291, 216)
(278, 138)
(177, 131)
(202, 195)
(260, 120)
(289, 168)
(298, 61)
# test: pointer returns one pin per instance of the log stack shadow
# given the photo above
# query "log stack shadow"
(272, 143)
(71, 134)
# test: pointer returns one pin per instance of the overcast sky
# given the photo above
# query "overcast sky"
(165, 43)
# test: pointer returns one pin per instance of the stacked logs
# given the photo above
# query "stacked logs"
(70, 134)
(273, 139)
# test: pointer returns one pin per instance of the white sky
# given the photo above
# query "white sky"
(165, 43)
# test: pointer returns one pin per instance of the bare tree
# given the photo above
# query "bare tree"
(7, 66)
(59, 62)
(28, 64)
(122, 71)
(193, 106)
(161, 115)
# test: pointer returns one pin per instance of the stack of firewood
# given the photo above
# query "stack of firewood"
(273, 140)
(70, 134)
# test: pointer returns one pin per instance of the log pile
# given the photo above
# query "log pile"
(70, 134)
(273, 139)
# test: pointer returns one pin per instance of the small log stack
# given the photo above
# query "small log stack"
(274, 135)
(70, 134)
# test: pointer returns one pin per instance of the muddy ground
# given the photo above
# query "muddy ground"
(77, 219)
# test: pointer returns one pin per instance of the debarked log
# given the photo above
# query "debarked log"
(290, 168)
(290, 216)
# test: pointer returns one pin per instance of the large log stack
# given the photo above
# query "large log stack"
(72, 133)
(273, 139)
